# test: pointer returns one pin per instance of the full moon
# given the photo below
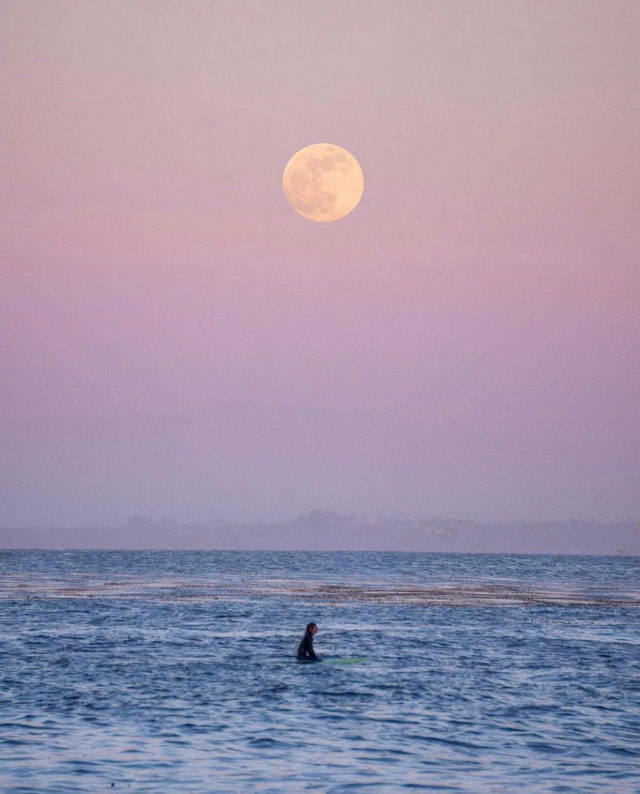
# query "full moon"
(323, 182)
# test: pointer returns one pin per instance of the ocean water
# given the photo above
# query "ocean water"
(175, 672)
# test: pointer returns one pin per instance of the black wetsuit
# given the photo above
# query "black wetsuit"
(305, 649)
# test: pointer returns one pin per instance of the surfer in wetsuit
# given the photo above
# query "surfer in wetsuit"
(305, 649)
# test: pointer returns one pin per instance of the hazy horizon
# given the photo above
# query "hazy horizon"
(164, 520)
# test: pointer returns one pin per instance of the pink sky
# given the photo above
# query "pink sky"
(177, 341)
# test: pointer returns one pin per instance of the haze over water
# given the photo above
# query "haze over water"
(175, 672)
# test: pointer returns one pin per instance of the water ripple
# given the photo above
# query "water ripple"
(174, 672)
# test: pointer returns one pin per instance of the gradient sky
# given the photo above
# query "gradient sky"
(177, 341)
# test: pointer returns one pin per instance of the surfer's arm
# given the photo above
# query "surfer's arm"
(307, 647)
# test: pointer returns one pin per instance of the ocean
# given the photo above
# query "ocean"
(176, 672)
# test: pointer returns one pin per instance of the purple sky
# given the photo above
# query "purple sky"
(177, 341)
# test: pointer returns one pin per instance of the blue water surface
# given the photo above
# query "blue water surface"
(175, 672)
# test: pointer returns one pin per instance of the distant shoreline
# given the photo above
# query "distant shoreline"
(163, 550)
(331, 532)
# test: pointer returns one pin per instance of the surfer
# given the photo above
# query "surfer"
(305, 649)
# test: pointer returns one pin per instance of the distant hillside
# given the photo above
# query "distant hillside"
(327, 531)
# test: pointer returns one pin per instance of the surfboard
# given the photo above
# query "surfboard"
(347, 660)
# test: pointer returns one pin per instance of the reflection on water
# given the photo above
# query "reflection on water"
(174, 672)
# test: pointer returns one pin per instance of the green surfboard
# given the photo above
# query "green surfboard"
(347, 660)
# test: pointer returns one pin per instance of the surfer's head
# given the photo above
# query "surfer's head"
(312, 628)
